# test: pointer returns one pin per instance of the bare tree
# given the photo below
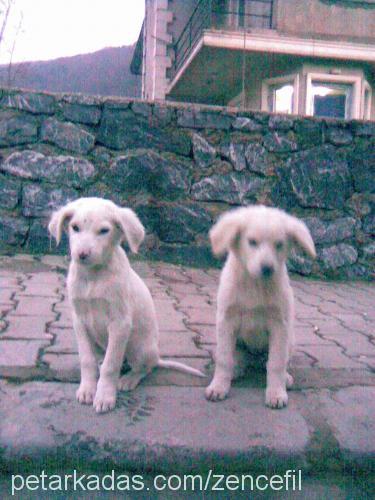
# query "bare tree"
(11, 73)
(6, 8)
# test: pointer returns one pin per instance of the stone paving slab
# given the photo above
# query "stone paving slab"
(177, 344)
(354, 430)
(6, 295)
(21, 358)
(64, 318)
(64, 341)
(24, 328)
(175, 429)
(34, 306)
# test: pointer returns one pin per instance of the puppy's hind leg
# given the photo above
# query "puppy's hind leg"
(139, 369)
(289, 380)
(241, 362)
(130, 380)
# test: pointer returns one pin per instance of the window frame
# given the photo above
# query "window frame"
(366, 110)
(354, 80)
(292, 79)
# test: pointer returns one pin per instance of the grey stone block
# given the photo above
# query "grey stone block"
(89, 115)
(204, 154)
(235, 153)
(148, 172)
(31, 102)
(13, 231)
(17, 129)
(142, 108)
(62, 170)
(245, 124)
(236, 188)
(369, 250)
(309, 133)
(317, 178)
(257, 158)
(331, 231)
(299, 263)
(192, 220)
(277, 142)
(67, 136)
(337, 256)
(339, 135)
(41, 201)
(163, 114)
(198, 118)
(280, 122)
(363, 129)
(123, 129)
(10, 191)
(369, 224)
(361, 162)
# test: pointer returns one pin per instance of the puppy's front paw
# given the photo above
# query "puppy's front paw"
(104, 401)
(85, 393)
(217, 391)
(276, 398)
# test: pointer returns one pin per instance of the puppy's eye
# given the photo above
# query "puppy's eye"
(75, 228)
(253, 243)
(279, 245)
(103, 230)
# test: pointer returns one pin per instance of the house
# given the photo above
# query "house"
(307, 57)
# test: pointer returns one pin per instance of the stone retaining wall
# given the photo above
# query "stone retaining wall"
(180, 166)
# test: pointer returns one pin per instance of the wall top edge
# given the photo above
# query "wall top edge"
(115, 102)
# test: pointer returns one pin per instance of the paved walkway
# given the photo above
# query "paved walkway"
(166, 423)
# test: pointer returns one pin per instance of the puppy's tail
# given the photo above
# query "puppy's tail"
(175, 365)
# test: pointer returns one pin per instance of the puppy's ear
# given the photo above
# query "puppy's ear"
(299, 234)
(131, 227)
(225, 233)
(58, 219)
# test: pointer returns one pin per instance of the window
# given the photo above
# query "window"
(280, 98)
(333, 96)
(331, 100)
(250, 13)
(366, 101)
(280, 95)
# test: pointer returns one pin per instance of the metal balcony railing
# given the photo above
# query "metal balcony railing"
(231, 15)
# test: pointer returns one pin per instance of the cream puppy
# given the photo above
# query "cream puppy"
(113, 312)
(255, 310)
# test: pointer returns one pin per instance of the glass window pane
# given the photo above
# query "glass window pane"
(367, 104)
(281, 98)
(331, 100)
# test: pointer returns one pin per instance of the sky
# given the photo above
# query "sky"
(59, 28)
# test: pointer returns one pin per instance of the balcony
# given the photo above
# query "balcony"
(224, 15)
(231, 52)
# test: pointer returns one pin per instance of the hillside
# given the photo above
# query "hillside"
(106, 72)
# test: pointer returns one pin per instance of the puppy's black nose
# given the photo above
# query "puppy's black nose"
(267, 271)
(83, 256)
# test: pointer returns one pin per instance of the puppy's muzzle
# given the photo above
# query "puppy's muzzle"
(83, 256)
(267, 271)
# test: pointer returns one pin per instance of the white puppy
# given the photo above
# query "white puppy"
(255, 300)
(113, 311)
